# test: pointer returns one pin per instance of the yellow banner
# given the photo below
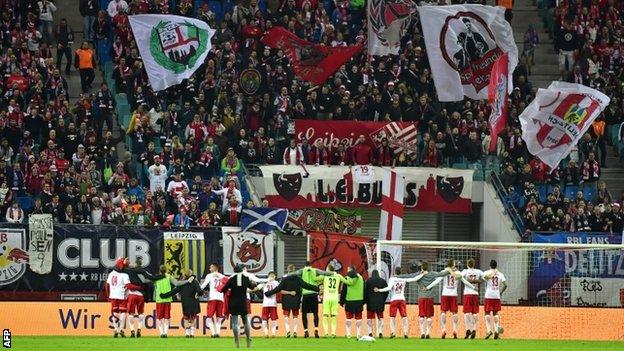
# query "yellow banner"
(93, 318)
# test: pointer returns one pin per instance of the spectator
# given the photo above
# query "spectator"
(85, 62)
(46, 19)
(88, 10)
(362, 152)
(293, 154)
(15, 214)
(473, 149)
(64, 39)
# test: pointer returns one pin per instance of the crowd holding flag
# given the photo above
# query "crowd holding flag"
(172, 47)
(557, 119)
(498, 96)
(463, 43)
(311, 62)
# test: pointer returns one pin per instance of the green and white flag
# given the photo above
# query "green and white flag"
(172, 47)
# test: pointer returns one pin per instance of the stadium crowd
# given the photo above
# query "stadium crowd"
(184, 148)
(587, 37)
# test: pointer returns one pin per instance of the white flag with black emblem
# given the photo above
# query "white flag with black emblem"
(387, 22)
(463, 42)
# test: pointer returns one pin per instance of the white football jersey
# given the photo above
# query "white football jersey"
(397, 287)
(117, 285)
(492, 286)
(213, 280)
(270, 301)
(471, 274)
(449, 285)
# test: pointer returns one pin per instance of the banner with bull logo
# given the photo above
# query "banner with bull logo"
(387, 22)
(401, 135)
(334, 220)
(426, 189)
(576, 277)
(13, 255)
(251, 249)
(558, 117)
(340, 250)
(463, 42)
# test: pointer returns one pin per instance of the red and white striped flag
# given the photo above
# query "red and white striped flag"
(401, 138)
(391, 220)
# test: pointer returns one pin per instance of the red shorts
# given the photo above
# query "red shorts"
(163, 310)
(471, 304)
(425, 307)
(357, 315)
(371, 314)
(118, 306)
(492, 305)
(269, 313)
(448, 303)
(286, 312)
(215, 307)
(399, 305)
(136, 304)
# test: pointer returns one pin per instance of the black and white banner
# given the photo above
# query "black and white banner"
(463, 43)
(41, 235)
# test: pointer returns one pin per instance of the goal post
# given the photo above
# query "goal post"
(538, 274)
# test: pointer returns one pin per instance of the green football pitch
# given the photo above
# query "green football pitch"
(300, 344)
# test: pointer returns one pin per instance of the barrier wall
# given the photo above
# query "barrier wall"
(93, 318)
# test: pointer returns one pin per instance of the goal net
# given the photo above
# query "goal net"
(557, 275)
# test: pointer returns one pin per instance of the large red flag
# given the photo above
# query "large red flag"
(498, 97)
(340, 250)
(311, 62)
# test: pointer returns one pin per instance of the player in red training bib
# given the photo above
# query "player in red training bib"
(495, 285)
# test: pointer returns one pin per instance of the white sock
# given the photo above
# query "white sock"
(467, 321)
(429, 324)
(160, 326)
(122, 321)
(358, 327)
(488, 323)
(141, 321)
(405, 326)
(265, 327)
(274, 327)
(369, 326)
(443, 322)
(287, 324)
(348, 328)
(380, 326)
(496, 323)
(116, 322)
(422, 325)
(455, 320)
(392, 325)
(211, 326)
(295, 324)
(217, 323)
(166, 328)
(475, 321)
(192, 329)
(131, 322)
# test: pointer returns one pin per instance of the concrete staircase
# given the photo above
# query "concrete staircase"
(545, 68)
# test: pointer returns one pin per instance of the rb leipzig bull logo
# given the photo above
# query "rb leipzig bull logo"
(13, 255)
(287, 185)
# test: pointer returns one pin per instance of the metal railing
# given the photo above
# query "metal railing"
(507, 201)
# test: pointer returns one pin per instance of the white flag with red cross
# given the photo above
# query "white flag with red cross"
(391, 219)
(558, 117)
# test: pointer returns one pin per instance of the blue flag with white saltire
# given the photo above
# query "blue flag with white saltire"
(263, 219)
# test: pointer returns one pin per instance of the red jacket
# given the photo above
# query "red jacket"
(362, 154)
(318, 156)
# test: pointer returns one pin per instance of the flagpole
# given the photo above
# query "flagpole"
(307, 247)
(378, 256)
